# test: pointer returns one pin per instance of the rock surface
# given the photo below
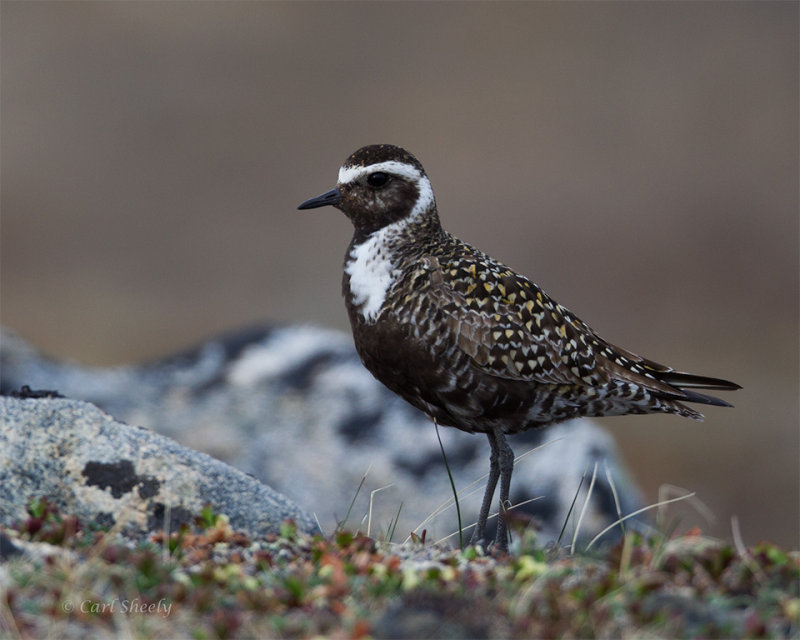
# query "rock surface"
(123, 477)
(293, 406)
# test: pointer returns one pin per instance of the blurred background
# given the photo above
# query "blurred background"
(639, 161)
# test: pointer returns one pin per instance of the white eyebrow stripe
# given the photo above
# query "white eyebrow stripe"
(350, 174)
(425, 199)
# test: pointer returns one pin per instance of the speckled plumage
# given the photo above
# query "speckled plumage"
(466, 339)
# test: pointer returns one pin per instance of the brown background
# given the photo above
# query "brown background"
(637, 160)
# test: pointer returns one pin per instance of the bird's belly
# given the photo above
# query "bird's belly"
(441, 380)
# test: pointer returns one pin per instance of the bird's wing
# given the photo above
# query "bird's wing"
(508, 326)
(512, 329)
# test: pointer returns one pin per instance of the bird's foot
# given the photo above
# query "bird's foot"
(495, 547)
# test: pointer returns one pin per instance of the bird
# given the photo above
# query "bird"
(469, 341)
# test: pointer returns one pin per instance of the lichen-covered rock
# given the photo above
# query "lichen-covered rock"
(294, 407)
(120, 476)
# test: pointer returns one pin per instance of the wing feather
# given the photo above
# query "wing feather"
(507, 326)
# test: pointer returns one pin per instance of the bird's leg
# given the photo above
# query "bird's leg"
(488, 496)
(506, 464)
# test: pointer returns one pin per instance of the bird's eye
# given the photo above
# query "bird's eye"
(377, 179)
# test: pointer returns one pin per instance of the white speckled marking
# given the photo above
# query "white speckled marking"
(371, 273)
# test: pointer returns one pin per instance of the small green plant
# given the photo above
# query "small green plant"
(46, 524)
(393, 524)
(288, 530)
(207, 517)
(341, 525)
(453, 487)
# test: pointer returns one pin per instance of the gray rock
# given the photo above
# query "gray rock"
(126, 477)
(294, 407)
(8, 549)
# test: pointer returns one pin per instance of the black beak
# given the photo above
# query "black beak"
(333, 196)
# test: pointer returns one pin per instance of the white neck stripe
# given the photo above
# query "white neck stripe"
(425, 199)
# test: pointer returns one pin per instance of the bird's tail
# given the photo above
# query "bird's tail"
(687, 382)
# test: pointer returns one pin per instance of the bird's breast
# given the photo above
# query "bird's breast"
(369, 273)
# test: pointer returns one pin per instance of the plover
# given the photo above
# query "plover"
(466, 339)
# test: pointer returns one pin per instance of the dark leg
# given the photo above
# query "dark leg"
(506, 464)
(488, 496)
